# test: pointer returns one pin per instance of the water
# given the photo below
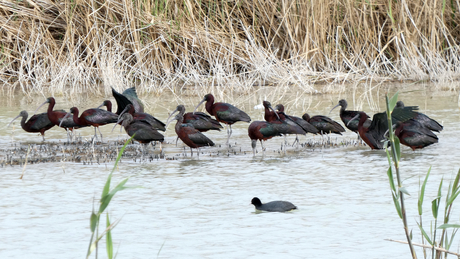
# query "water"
(200, 208)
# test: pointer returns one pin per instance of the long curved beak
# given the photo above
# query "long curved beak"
(40, 106)
(172, 113)
(169, 121)
(62, 120)
(121, 113)
(354, 118)
(202, 101)
(119, 121)
(100, 106)
(13, 120)
(271, 108)
(334, 108)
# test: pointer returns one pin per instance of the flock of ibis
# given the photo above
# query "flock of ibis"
(414, 129)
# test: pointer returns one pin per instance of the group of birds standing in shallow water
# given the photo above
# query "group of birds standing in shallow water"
(414, 129)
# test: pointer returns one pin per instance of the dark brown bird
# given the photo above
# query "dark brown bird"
(144, 133)
(129, 96)
(93, 117)
(419, 117)
(36, 123)
(145, 117)
(414, 134)
(224, 112)
(347, 117)
(199, 120)
(106, 103)
(189, 135)
(324, 124)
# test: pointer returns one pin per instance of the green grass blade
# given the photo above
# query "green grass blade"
(392, 102)
(93, 221)
(425, 234)
(397, 205)
(108, 238)
(390, 178)
(422, 193)
(444, 226)
(397, 147)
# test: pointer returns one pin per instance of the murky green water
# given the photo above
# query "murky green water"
(200, 208)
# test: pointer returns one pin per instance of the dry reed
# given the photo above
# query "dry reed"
(231, 46)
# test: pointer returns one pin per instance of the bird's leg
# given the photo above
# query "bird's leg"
(100, 132)
(198, 152)
(43, 136)
(191, 152)
(229, 132)
(296, 141)
(177, 140)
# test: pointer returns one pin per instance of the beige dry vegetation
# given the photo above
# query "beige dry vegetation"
(207, 46)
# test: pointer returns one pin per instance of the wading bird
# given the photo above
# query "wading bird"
(189, 135)
(347, 117)
(143, 132)
(224, 112)
(419, 117)
(93, 117)
(36, 123)
(57, 117)
(129, 96)
(199, 120)
(145, 117)
(273, 206)
(414, 134)
(324, 124)
(107, 104)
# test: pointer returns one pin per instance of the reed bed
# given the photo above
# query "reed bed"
(231, 46)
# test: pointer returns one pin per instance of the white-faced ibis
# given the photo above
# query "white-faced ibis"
(145, 117)
(107, 104)
(224, 112)
(57, 117)
(93, 117)
(324, 124)
(419, 117)
(129, 96)
(347, 117)
(414, 134)
(189, 135)
(144, 133)
(36, 123)
(273, 206)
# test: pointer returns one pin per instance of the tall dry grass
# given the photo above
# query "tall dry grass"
(233, 45)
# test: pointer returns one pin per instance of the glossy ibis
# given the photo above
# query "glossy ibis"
(142, 131)
(273, 206)
(347, 117)
(57, 117)
(414, 134)
(305, 125)
(373, 135)
(36, 123)
(419, 117)
(129, 96)
(199, 120)
(189, 135)
(224, 112)
(324, 124)
(262, 130)
(93, 117)
(145, 117)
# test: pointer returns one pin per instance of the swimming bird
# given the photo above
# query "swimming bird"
(224, 112)
(36, 123)
(273, 206)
